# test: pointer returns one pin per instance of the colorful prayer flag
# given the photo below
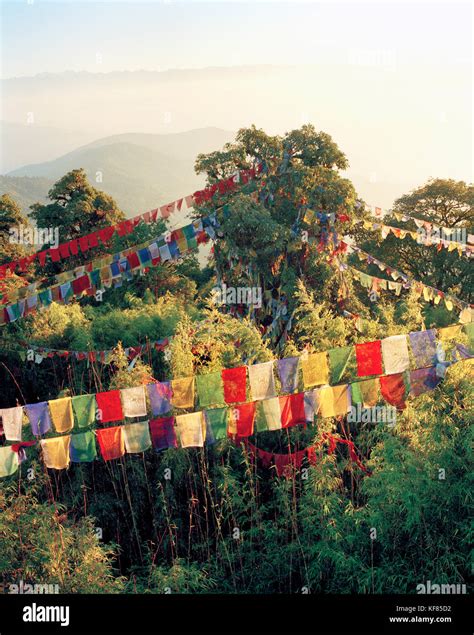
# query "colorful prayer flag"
(134, 402)
(82, 448)
(423, 346)
(217, 419)
(111, 442)
(8, 461)
(315, 369)
(365, 392)
(288, 373)
(191, 429)
(243, 419)
(235, 384)
(369, 358)
(160, 394)
(183, 392)
(61, 414)
(339, 360)
(334, 400)
(292, 409)
(38, 414)
(84, 408)
(12, 421)
(395, 354)
(56, 452)
(163, 433)
(136, 437)
(210, 389)
(109, 406)
(393, 389)
(268, 415)
(262, 383)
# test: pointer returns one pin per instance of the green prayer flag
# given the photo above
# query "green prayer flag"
(365, 392)
(217, 419)
(339, 362)
(82, 448)
(8, 461)
(189, 234)
(210, 389)
(84, 408)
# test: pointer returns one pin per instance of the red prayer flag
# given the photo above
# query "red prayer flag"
(109, 405)
(42, 257)
(133, 260)
(106, 233)
(244, 417)
(163, 434)
(73, 247)
(94, 239)
(111, 442)
(292, 410)
(64, 250)
(80, 284)
(235, 384)
(55, 256)
(394, 390)
(84, 243)
(369, 358)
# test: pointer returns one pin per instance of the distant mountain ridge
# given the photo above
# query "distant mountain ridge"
(141, 171)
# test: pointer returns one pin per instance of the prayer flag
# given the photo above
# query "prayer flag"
(61, 414)
(369, 358)
(365, 392)
(109, 406)
(311, 404)
(292, 410)
(288, 373)
(422, 380)
(8, 461)
(82, 448)
(163, 433)
(262, 383)
(315, 369)
(339, 359)
(136, 437)
(38, 414)
(334, 401)
(84, 407)
(217, 421)
(134, 402)
(235, 384)
(394, 390)
(243, 419)
(111, 442)
(56, 452)
(183, 392)
(423, 346)
(209, 389)
(268, 415)
(191, 429)
(12, 420)
(395, 354)
(160, 397)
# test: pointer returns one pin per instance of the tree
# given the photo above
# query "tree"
(443, 202)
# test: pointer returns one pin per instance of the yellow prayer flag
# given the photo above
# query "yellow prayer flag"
(315, 369)
(56, 452)
(61, 414)
(450, 332)
(183, 392)
(334, 401)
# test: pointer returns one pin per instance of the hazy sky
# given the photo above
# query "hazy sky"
(42, 36)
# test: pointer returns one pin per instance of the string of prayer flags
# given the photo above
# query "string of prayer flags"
(369, 358)
(183, 392)
(134, 401)
(38, 415)
(61, 414)
(217, 420)
(395, 354)
(394, 390)
(423, 347)
(12, 421)
(111, 442)
(56, 452)
(109, 406)
(191, 430)
(84, 408)
(160, 395)
(268, 415)
(136, 437)
(288, 373)
(209, 388)
(235, 384)
(262, 382)
(334, 401)
(315, 369)
(365, 392)
(8, 461)
(83, 448)
(292, 409)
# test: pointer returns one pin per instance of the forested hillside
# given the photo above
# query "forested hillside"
(242, 461)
